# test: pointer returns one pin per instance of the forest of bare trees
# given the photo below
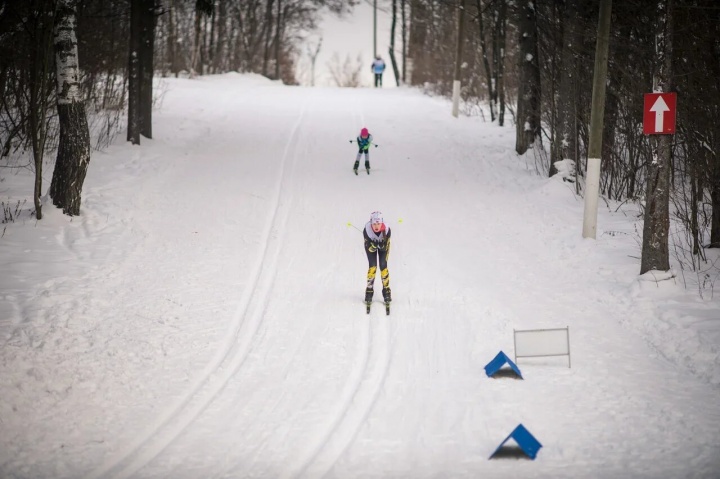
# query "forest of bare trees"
(535, 59)
(530, 62)
(76, 71)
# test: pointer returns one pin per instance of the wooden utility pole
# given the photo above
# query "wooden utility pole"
(592, 183)
(374, 29)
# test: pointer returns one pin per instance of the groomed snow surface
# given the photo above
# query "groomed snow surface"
(203, 316)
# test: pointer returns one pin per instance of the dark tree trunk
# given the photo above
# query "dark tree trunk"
(172, 44)
(278, 37)
(404, 38)
(528, 109)
(392, 43)
(195, 57)
(73, 156)
(492, 96)
(146, 54)
(499, 39)
(38, 85)
(655, 248)
(211, 45)
(715, 200)
(134, 74)
(268, 34)
(220, 53)
(417, 38)
(713, 179)
(695, 187)
(565, 142)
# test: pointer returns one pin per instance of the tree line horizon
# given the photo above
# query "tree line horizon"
(531, 62)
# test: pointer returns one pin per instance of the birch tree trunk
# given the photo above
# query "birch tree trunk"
(73, 156)
(655, 250)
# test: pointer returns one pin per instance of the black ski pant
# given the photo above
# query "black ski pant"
(375, 257)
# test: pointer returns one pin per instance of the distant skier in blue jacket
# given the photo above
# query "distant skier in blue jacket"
(378, 67)
(364, 140)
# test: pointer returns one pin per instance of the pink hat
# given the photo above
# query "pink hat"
(364, 132)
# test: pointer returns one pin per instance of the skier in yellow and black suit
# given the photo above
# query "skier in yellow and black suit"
(377, 247)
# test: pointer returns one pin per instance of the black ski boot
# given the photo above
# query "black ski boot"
(386, 295)
(369, 295)
(355, 166)
(367, 167)
(368, 299)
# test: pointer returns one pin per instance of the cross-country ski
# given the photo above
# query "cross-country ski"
(368, 307)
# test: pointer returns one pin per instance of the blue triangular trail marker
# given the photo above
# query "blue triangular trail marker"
(527, 442)
(498, 362)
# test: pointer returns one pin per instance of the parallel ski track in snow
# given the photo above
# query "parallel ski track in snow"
(358, 398)
(243, 328)
(359, 395)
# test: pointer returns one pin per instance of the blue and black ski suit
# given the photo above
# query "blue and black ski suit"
(363, 147)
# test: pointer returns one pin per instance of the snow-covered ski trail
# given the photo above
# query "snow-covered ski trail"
(363, 382)
(361, 390)
(202, 318)
(234, 350)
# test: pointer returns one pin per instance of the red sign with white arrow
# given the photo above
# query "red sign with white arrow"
(659, 113)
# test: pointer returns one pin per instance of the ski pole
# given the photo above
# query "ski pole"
(375, 145)
(350, 224)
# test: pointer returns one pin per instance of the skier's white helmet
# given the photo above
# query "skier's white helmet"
(376, 218)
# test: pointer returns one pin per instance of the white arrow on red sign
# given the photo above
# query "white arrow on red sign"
(660, 107)
(659, 113)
